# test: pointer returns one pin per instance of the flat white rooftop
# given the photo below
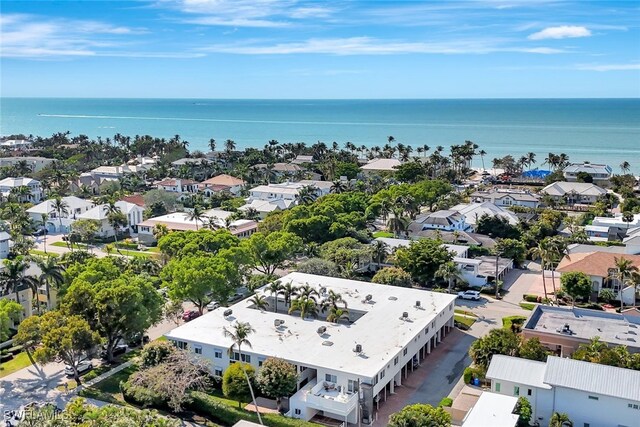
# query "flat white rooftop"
(379, 328)
(492, 409)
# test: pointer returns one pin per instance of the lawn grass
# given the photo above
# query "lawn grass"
(155, 250)
(135, 254)
(21, 360)
(64, 245)
(382, 234)
(108, 390)
(464, 312)
(508, 321)
(41, 253)
(527, 306)
(467, 321)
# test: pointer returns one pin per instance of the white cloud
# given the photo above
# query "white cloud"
(561, 32)
(609, 67)
(372, 46)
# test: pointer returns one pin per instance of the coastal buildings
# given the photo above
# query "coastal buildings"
(473, 212)
(492, 409)
(574, 192)
(562, 330)
(601, 174)
(4, 244)
(100, 213)
(15, 144)
(60, 222)
(221, 183)
(179, 221)
(389, 331)
(613, 228)
(601, 269)
(590, 394)
(506, 197)
(444, 220)
(35, 163)
(272, 197)
(380, 165)
(23, 189)
(178, 186)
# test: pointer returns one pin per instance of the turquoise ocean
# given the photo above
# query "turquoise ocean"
(597, 130)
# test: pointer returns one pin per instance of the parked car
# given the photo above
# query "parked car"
(83, 366)
(212, 305)
(138, 340)
(472, 295)
(190, 315)
(40, 232)
(120, 348)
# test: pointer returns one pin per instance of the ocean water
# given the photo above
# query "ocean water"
(597, 130)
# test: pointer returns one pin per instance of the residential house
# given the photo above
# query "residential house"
(346, 368)
(100, 213)
(15, 144)
(611, 228)
(601, 269)
(380, 165)
(221, 183)
(62, 223)
(457, 237)
(4, 244)
(444, 220)
(506, 197)
(563, 329)
(179, 221)
(601, 174)
(574, 192)
(35, 163)
(492, 410)
(179, 186)
(590, 394)
(472, 213)
(9, 184)
(632, 241)
(302, 159)
(272, 197)
(186, 161)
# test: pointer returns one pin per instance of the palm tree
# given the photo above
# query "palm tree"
(51, 273)
(275, 288)
(379, 250)
(197, 214)
(212, 145)
(307, 194)
(44, 218)
(482, 153)
(338, 187)
(556, 251)
(559, 419)
(531, 159)
(260, 301)
(13, 276)
(307, 291)
(540, 252)
(239, 334)
(116, 219)
(337, 314)
(625, 272)
(397, 223)
(60, 207)
(289, 291)
(229, 146)
(625, 167)
(449, 271)
(332, 301)
(305, 305)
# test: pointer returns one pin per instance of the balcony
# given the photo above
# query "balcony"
(325, 396)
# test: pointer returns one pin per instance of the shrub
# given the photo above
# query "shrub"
(141, 396)
(6, 357)
(155, 353)
(446, 401)
(90, 376)
(530, 298)
(234, 382)
(468, 375)
(15, 350)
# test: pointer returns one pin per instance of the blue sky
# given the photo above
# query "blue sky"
(317, 49)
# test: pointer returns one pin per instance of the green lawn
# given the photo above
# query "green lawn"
(382, 234)
(527, 306)
(468, 321)
(508, 321)
(18, 362)
(64, 245)
(464, 312)
(41, 253)
(108, 390)
(136, 254)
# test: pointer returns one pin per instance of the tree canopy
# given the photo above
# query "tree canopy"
(269, 252)
(277, 378)
(234, 383)
(576, 284)
(393, 276)
(420, 415)
(422, 258)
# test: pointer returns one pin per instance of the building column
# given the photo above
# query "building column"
(392, 389)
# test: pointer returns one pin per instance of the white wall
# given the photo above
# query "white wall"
(606, 411)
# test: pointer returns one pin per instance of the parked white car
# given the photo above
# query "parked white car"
(212, 305)
(83, 366)
(472, 295)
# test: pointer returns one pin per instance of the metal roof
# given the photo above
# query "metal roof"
(520, 371)
(593, 377)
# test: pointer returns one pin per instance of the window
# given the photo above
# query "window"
(330, 378)
(181, 345)
(297, 411)
(516, 391)
(245, 357)
(497, 387)
(594, 398)
(382, 374)
(303, 368)
(217, 372)
(261, 361)
(197, 349)
(352, 386)
(217, 353)
(586, 425)
(633, 406)
(404, 352)
(426, 331)
(529, 392)
(395, 361)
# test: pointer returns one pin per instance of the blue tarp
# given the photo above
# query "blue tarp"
(536, 173)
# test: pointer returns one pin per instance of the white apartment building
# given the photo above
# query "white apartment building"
(272, 197)
(9, 184)
(444, 220)
(60, 223)
(100, 213)
(592, 395)
(601, 174)
(345, 369)
(4, 244)
(34, 162)
(507, 197)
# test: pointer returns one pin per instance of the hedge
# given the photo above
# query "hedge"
(207, 406)
(141, 396)
(531, 298)
(446, 401)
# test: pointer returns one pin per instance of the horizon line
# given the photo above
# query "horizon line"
(326, 99)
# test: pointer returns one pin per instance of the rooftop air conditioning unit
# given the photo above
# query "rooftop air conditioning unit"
(417, 303)
(278, 322)
(227, 313)
(368, 297)
(405, 315)
(358, 348)
(321, 330)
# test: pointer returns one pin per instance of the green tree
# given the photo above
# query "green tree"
(420, 415)
(277, 378)
(259, 301)
(577, 285)
(84, 230)
(14, 277)
(393, 276)
(307, 307)
(271, 251)
(497, 341)
(155, 353)
(51, 273)
(625, 273)
(532, 349)
(449, 272)
(65, 337)
(513, 249)
(348, 169)
(497, 226)
(234, 382)
(239, 334)
(559, 419)
(10, 312)
(523, 409)
(410, 172)
(116, 220)
(196, 215)
(422, 258)
(201, 242)
(319, 266)
(61, 208)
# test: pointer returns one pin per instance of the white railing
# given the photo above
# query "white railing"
(330, 399)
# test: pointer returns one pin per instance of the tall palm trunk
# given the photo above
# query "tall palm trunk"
(553, 284)
(246, 376)
(544, 280)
